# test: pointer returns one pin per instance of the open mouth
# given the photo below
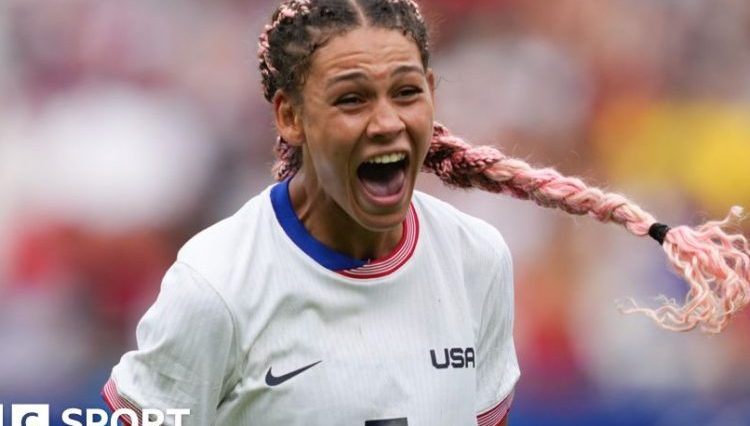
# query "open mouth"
(384, 175)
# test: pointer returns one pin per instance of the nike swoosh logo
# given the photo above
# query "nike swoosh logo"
(272, 380)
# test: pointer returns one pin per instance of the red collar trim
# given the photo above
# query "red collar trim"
(396, 258)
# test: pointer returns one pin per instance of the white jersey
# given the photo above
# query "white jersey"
(257, 323)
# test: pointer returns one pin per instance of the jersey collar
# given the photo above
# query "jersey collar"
(333, 260)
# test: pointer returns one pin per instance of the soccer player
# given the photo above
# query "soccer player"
(341, 296)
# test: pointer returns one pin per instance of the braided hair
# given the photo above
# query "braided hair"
(714, 263)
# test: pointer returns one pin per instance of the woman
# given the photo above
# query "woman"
(342, 296)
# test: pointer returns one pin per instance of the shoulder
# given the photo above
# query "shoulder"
(446, 224)
(214, 251)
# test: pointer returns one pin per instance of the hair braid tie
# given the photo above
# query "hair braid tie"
(658, 231)
(714, 263)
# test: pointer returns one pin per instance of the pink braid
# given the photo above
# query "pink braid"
(412, 4)
(287, 10)
(288, 159)
(715, 264)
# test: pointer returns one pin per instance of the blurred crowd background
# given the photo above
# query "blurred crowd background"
(127, 126)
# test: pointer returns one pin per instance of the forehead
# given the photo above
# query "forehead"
(375, 51)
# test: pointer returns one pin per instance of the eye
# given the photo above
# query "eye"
(349, 100)
(408, 91)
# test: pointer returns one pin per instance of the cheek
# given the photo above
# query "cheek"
(421, 121)
(330, 152)
(350, 127)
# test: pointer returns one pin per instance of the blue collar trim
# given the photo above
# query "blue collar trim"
(326, 257)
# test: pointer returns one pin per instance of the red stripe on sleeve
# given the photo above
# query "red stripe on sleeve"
(115, 401)
(495, 415)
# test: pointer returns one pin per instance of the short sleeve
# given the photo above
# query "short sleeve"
(497, 365)
(186, 353)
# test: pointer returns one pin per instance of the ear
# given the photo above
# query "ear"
(288, 119)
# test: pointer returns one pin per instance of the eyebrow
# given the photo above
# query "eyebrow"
(359, 75)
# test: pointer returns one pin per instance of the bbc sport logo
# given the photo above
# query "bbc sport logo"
(39, 415)
(27, 415)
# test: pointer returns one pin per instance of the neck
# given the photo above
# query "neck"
(328, 223)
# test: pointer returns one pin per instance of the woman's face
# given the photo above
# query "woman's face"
(366, 124)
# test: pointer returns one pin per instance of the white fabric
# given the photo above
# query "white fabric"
(243, 298)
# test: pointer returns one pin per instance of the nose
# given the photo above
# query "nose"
(385, 122)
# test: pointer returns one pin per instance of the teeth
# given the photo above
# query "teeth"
(387, 158)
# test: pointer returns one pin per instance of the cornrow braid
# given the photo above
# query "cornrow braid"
(412, 4)
(286, 13)
(714, 263)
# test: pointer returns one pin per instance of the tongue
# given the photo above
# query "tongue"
(382, 180)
